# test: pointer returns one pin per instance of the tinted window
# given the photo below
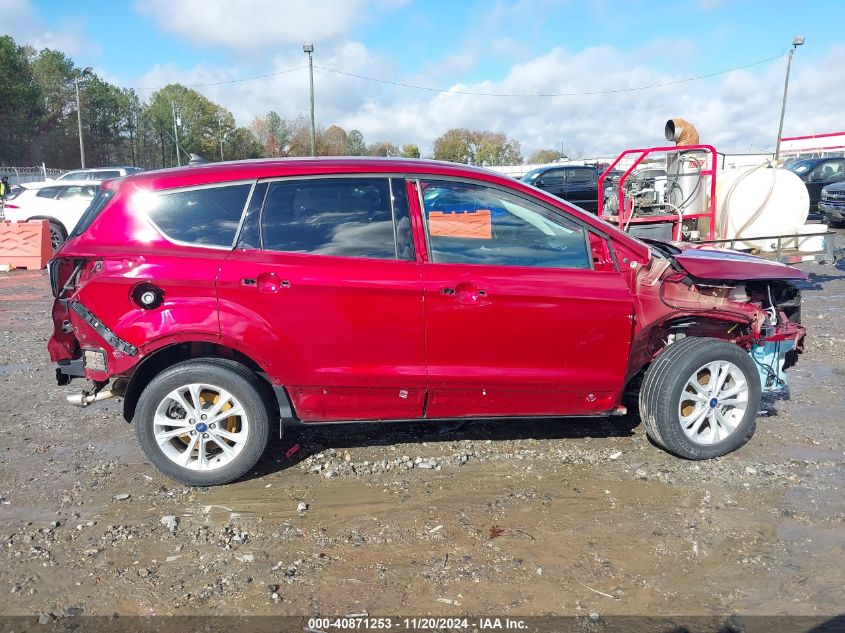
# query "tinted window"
(97, 204)
(105, 175)
(476, 224)
(402, 220)
(208, 216)
(349, 217)
(250, 236)
(552, 178)
(48, 192)
(582, 176)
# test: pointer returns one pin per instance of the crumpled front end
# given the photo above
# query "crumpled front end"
(757, 312)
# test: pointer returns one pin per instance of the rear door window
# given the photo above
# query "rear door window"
(346, 217)
(580, 177)
(206, 216)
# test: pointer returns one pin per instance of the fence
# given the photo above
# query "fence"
(21, 175)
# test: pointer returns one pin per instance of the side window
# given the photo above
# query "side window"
(581, 177)
(347, 217)
(208, 216)
(48, 192)
(250, 237)
(475, 224)
(552, 178)
(104, 175)
(78, 191)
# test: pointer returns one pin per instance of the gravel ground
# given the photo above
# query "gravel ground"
(521, 517)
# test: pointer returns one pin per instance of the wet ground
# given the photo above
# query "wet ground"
(521, 517)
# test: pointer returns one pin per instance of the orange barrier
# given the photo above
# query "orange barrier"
(25, 244)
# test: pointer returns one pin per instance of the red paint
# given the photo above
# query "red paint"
(803, 138)
(354, 338)
(709, 263)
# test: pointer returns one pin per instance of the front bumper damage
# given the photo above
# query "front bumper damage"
(775, 354)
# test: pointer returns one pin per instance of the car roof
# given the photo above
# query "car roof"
(58, 183)
(208, 173)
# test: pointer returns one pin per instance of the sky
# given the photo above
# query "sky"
(614, 49)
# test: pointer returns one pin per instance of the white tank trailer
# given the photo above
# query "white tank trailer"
(751, 202)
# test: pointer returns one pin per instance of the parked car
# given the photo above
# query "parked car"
(832, 202)
(818, 173)
(99, 173)
(62, 203)
(225, 299)
(577, 184)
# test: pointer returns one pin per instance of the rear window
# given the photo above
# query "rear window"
(99, 203)
(207, 217)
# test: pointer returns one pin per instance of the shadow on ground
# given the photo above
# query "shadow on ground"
(315, 439)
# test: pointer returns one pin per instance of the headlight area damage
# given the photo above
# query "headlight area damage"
(742, 300)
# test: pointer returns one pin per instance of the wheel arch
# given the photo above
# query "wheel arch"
(652, 342)
(278, 402)
(52, 220)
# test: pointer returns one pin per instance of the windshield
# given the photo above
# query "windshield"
(532, 175)
(802, 166)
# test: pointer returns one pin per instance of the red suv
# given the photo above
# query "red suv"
(221, 300)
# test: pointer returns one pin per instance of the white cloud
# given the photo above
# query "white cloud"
(21, 22)
(254, 25)
(736, 112)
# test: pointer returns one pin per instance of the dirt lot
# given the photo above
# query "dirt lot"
(521, 517)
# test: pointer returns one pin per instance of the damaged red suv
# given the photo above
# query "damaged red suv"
(221, 301)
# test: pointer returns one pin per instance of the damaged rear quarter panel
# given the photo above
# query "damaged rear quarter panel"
(188, 312)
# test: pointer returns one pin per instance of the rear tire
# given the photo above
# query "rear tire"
(688, 415)
(211, 444)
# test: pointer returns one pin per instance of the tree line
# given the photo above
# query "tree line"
(38, 123)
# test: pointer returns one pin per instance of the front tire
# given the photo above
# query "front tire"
(57, 236)
(203, 422)
(700, 398)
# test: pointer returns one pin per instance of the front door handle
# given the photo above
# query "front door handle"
(268, 282)
(465, 292)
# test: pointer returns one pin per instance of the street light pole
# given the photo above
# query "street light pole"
(87, 71)
(797, 41)
(309, 48)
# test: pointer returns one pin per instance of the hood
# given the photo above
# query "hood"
(718, 264)
(837, 186)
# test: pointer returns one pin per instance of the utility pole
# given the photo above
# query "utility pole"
(220, 135)
(309, 48)
(87, 71)
(797, 41)
(176, 132)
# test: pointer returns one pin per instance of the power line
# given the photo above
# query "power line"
(235, 81)
(550, 94)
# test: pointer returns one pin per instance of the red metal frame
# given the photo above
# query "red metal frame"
(625, 208)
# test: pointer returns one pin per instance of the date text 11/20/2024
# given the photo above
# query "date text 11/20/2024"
(350, 623)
